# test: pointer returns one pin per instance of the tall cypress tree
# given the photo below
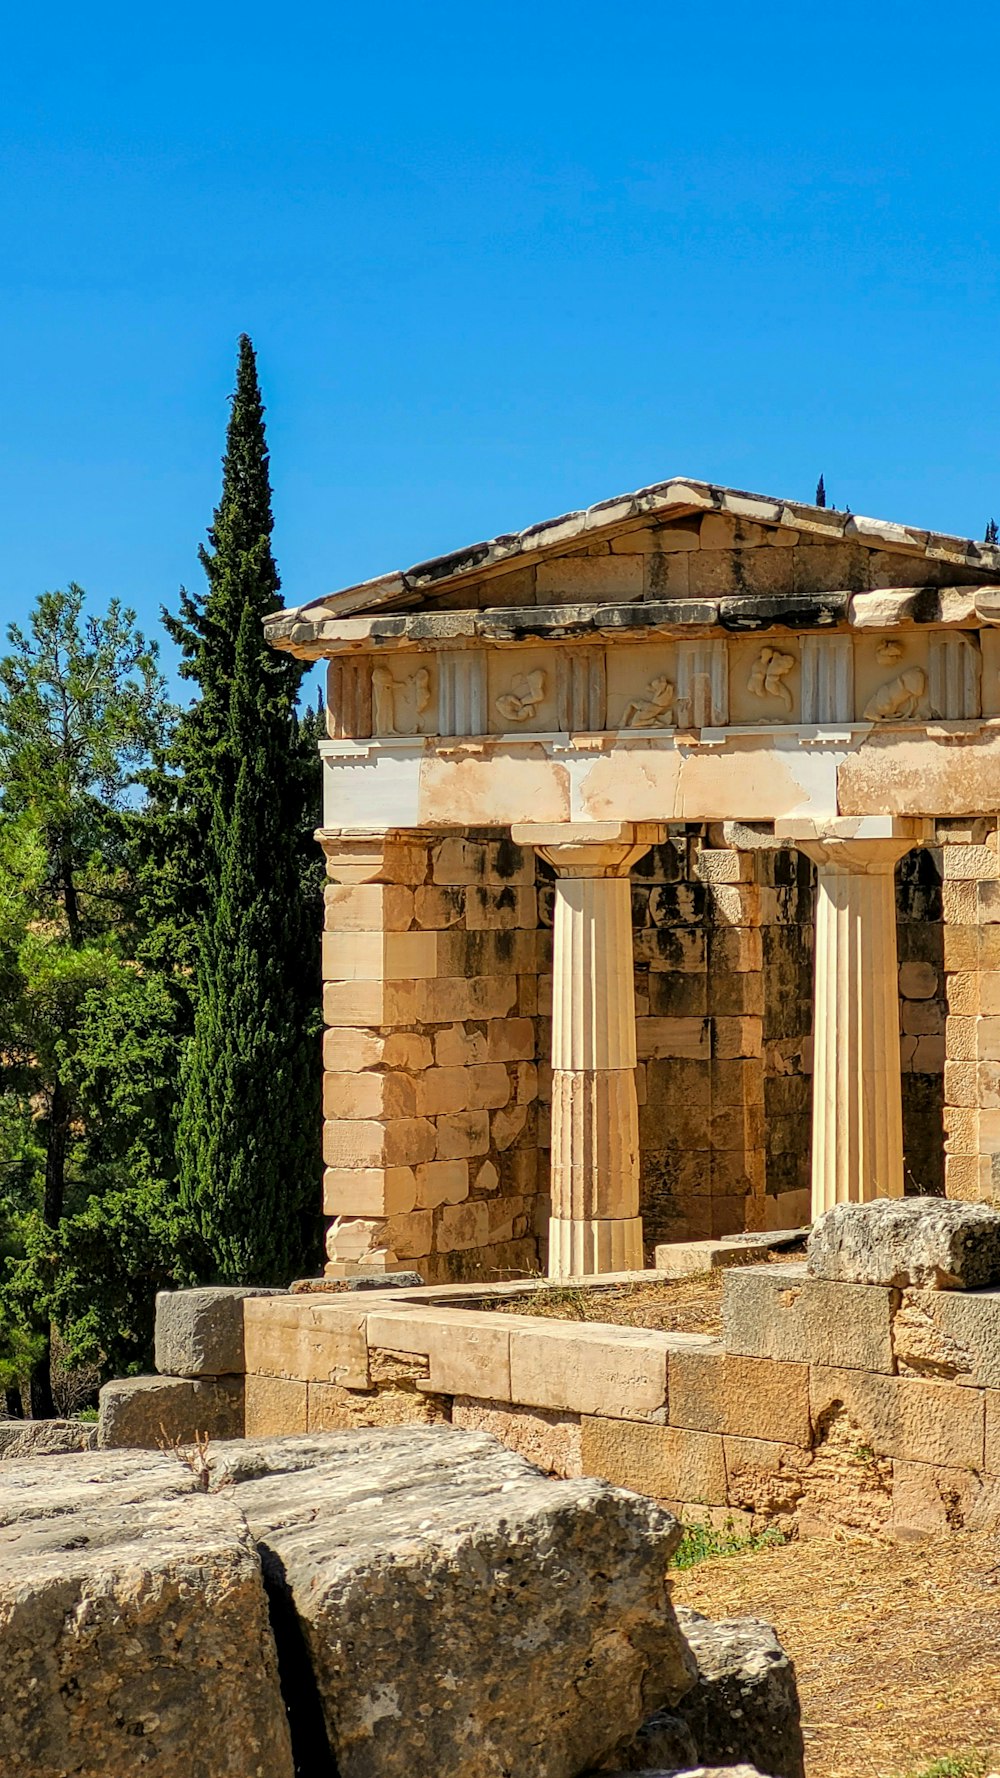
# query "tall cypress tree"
(237, 791)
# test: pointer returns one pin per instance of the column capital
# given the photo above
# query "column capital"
(388, 855)
(871, 858)
(590, 849)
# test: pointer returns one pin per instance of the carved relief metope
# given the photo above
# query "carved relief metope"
(901, 697)
(768, 675)
(526, 693)
(388, 692)
(654, 709)
(684, 684)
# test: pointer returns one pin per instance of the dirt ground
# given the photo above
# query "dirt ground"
(897, 1647)
(682, 1305)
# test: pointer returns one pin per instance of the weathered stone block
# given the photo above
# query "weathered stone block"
(148, 1412)
(370, 1191)
(549, 1440)
(398, 1142)
(329, 1408)
(666, 1462)
(715, 1391)
(275, 1407)
(369, 1095)
(779, 1312)
(764, 1477)
(461, 1135)
(134, 1626)
(745, 1704)
(905, 1417)
(469, 1350)
(930, 1501)
(899, 1241)
(588, 1368)
(312, 1338)
(438, 1541)
(199, 1333)
(45, 1438)
(950, 1334)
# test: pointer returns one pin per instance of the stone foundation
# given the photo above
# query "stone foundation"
(826, 1406)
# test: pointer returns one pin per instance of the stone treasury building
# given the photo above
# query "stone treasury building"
(663, 886)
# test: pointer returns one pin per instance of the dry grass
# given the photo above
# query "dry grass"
(897, 1647)
(691, 1305)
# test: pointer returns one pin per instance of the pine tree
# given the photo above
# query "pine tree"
(821, 492)
(248, 1136)
(81, 700)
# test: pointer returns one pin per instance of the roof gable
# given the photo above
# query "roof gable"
(635, 547)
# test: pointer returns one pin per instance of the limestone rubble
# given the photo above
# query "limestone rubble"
(940, 1244)
(431, 1603)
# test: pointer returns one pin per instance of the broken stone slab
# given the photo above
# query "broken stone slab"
(460, 1613)
(685, 1259)
(45, 1438)
(134, 1629)
(936, 1243)
(149, 1412)
(745, 1705)
(199, 1333)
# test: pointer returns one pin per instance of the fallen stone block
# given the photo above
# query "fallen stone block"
(932, 1242)
(460, 1614)
(745, 1705)
(134, 1629)
(199, 1333)
(664, 1743)
(46, 1438)
(149, 1412)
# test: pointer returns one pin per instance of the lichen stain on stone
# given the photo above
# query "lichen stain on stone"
(892, 774)
(492, 786)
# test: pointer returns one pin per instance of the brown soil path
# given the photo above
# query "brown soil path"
(897, 1647)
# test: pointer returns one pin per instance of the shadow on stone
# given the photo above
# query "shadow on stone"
(311, 1750)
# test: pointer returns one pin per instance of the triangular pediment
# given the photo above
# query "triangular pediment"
(676, 540)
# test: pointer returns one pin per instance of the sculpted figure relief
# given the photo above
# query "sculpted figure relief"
(901, 697)
(652, 711)
(768, 675)
(526, 693)
(384, 690)
(383, 701)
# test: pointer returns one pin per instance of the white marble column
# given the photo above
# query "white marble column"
(857, 1132)
(595, 1224)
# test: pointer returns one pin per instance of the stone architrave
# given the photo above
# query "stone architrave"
(857, 1131)
(595, 1224)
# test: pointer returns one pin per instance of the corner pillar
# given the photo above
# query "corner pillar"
(595, 1224)
(857, 1128)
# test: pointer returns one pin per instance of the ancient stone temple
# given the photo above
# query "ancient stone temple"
(664, 882)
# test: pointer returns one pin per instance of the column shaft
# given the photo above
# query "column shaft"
(595, 1224)
(857, 1135)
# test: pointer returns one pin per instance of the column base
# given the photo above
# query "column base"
(578, 1249)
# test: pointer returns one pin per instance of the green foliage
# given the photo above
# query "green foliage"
(970, 1764)
(702, 1541)
(248, 1138)
(80, 701)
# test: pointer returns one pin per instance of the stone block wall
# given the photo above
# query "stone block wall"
(824, 1406)
(437, 1002)
(970, 870)
(431, 960)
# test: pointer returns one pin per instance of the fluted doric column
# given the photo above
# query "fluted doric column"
(595, 1224)
(857, 1131)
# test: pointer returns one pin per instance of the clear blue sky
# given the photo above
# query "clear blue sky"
(497, 260)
